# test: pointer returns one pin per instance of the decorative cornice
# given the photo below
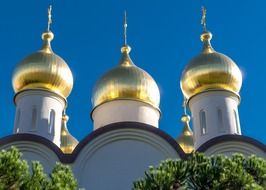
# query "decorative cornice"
(236, 138)
(70, 158)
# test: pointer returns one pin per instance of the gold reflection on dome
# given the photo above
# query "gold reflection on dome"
(68, 142)
(210, 71)
(185, 140)
(44, 69)
(126, 82)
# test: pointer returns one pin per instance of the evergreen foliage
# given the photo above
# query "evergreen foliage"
(15, 174)
(200, 172)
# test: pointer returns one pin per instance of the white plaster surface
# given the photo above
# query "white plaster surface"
(210, 102)
(44, 102)
(117, 158)
(125, 110)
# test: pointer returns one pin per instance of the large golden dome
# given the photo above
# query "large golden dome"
(210, 71)
(43, 70)
(126, 82)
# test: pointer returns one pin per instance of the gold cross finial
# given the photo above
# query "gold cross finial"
(125, 28)
(203, 18)
(49, 18)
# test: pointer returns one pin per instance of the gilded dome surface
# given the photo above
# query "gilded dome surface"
(210, 70)
(185, 140)
(43, 70)
(126, 81)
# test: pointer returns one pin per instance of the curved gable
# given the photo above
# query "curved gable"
(229, 144)
(114, 156)
(8, 141)
(130, 125)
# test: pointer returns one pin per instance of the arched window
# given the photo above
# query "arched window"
(17, 121)
(203, 126)
(51, 122)
(236, 122)
(220, 120)
(34, 118)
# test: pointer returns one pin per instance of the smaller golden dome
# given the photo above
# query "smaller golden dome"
(185, 140)
(68, 142)
(210, 71)
(126, 82)
(43, 70)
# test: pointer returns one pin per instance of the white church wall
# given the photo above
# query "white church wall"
(39, 112)
(125, 110)
(214, 113)
(117, 158)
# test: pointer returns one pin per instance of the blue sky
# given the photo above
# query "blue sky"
(164, 37)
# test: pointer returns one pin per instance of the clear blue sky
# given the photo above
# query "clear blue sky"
(164, 36)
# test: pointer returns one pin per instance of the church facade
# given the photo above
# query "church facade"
(127, 138)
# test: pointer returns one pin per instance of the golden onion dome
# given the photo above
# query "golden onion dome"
(210, 70)
(185, 140)
(68, 142)
(126, 82)
(43, 70)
